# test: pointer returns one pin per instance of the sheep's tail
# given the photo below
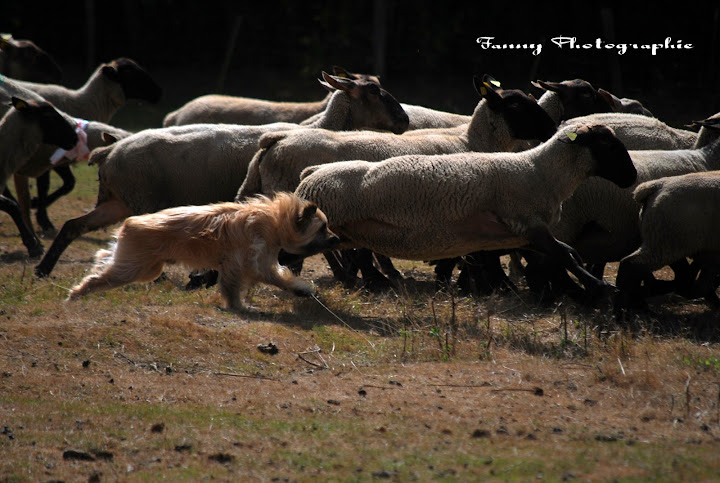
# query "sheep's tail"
(99, 155)
(308, 171)
(270, 138)
(170, 119)
(645, 190)
(253, 182)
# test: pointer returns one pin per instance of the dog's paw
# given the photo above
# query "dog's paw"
(305, 291)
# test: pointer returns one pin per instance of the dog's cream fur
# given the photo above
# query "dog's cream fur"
(240, 240)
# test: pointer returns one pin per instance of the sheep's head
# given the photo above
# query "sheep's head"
(709, 130)
(612, 160)
(340, 72)
(57, 129)
(578, 97)
(136, 83)
(26, 61)
(524, 117)
(630, 106)
(371, 105)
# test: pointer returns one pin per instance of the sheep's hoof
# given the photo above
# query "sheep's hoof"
(44, 223)
(40, 272)
(377, 285)
(36, 251)
(199, 279)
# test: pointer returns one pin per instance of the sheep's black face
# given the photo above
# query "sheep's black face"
(578, 97)
(524, 117)
(383, 111)
(28, 62)
(56, 129)
(135, 81)
(612, 159)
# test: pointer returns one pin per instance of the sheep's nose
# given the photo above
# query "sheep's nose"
(334, 240)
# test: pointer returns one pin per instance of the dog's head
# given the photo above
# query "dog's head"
(310, 234)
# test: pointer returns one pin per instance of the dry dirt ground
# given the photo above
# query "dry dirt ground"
(151, 382)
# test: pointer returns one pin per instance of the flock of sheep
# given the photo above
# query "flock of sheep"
(568, 182)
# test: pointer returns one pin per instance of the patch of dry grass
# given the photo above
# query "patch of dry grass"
(152, 382)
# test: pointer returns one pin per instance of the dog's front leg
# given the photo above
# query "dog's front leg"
(283, 278)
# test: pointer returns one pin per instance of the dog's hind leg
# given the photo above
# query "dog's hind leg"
(116, 274)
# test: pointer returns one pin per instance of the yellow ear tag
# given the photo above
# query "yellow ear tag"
(572, 136)
(495, 83)
(20, 104)
(483, 91)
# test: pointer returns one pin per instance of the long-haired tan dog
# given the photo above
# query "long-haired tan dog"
(240, 240)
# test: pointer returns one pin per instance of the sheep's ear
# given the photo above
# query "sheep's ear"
(19, 104)
(347, 85)
(326, 85)
(549, 86)
(340, 72)
(306, 216)
(487, 91)
(532, 97)
(5, 41)
(713, 122)
(614, 102)
(108, 138)
(110, 71)
(488, 79)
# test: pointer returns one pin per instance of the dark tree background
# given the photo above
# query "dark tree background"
(425, 51)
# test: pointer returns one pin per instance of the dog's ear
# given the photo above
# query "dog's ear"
(306, 216)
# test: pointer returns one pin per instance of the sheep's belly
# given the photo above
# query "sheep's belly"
(431, 243)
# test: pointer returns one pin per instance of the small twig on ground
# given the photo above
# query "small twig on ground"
(232, 374)
(300, 355)
(460, 385)
(536, 390)
(687, 397)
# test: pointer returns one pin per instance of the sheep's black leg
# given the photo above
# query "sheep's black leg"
(386, 265)
(443, 273)
(104, 214)
(485, 272)
(44, 200)
(8, 194)
(549, 280)
(564, 255)
(707, 283)
(200, 278)
(373, 279)
(629, 280)
(31, 242)
(343, 266)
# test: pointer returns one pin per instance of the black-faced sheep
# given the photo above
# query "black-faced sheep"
(202, 163)
(680, 216)
(24, 60)
(107, 89)
(23, 130)
(500, 120)
(247, 111)
(432, 207)
(600, 220)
